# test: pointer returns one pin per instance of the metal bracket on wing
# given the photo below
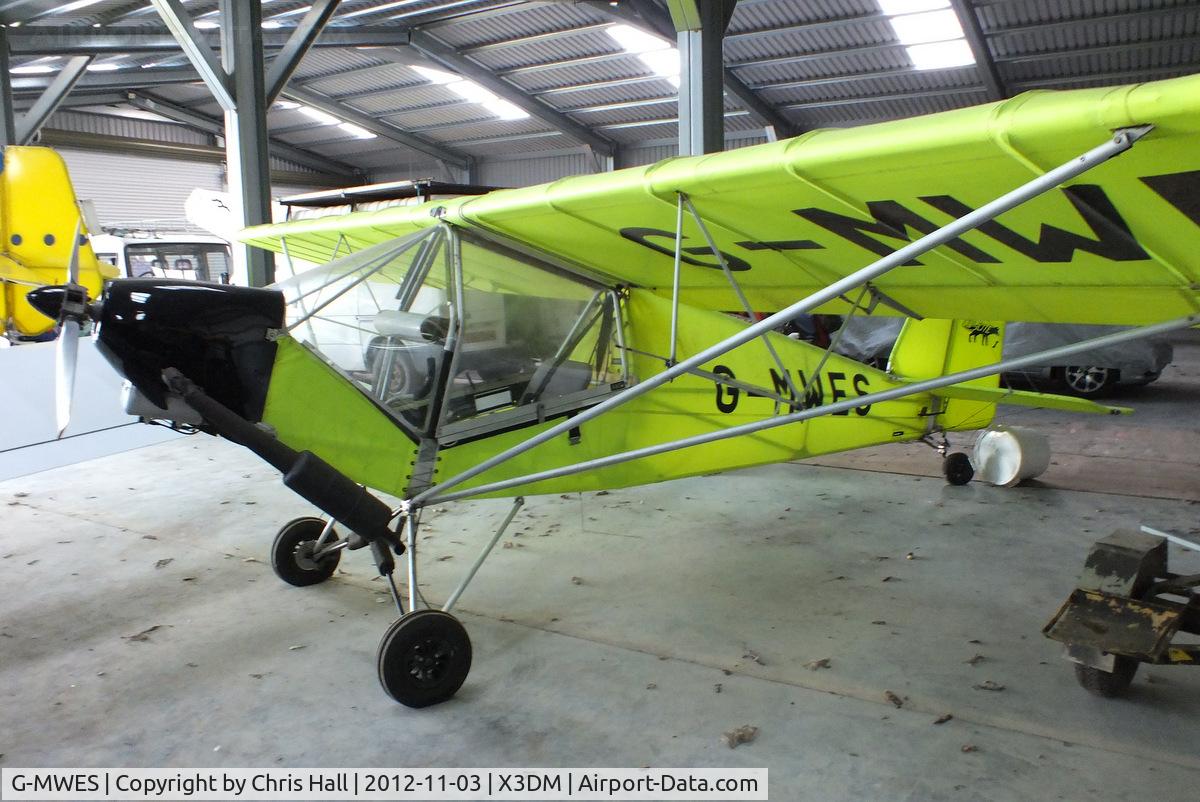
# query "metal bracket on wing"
(737, 288)
(878, 297)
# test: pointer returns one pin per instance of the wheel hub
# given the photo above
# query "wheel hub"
(428, 660)
(304, 556)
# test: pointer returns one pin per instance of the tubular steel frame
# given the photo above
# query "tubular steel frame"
(409, 509)
(1120, 142)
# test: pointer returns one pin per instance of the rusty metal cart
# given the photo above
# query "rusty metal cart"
(1128, 609)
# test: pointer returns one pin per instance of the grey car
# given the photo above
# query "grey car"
(1089, 374)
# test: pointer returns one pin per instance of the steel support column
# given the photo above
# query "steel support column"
(248, 162)
(701, 28)
(8, 123)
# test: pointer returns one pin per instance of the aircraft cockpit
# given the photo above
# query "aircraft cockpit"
(457, 334)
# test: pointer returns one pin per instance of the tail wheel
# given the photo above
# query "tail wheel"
(957, 468)
(292, 553)
(424, 658)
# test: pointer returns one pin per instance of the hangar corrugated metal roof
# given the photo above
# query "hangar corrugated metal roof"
(815, 62)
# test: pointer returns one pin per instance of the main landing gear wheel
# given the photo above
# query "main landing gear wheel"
(292, 553)
(1105, 683)
(424, 658)
(957, 468)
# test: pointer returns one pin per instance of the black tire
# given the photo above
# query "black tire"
(424, 658)
(1087, 381)
(1105, 683)
(291, 553)
(957, 468)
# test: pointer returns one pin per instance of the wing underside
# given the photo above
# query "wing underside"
(1119, 244)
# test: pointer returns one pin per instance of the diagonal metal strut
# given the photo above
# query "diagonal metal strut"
(1119, 143)
(737, 289)
(902, 391)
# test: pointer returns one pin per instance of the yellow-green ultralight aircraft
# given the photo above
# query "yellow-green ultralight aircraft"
(574, 336)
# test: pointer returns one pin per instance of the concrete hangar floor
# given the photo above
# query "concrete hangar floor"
(140, 623)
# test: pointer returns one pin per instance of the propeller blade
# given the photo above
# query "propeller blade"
(73, 265)
(66, 353)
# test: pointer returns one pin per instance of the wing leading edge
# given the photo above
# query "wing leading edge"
(1117, 245)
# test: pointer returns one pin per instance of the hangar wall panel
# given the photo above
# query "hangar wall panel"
(130, 189)
(525, 172)
(112, 125)
(148, 130)
(649, 154)
(513, 171)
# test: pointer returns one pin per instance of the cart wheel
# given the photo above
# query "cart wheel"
(292, 553)
(1105, 683)
(424, 658)
(957, 468)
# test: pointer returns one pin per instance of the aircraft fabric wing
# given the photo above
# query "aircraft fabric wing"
(1119, 244)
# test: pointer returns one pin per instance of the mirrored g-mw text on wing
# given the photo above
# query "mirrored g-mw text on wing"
(1119, 244)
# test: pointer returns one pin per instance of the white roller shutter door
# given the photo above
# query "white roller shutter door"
(130, 188)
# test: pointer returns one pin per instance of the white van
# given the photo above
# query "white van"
(198, 257)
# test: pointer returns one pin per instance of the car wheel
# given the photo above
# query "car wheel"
(1087, 380)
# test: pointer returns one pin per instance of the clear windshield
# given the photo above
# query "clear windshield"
(380, 316)
(521, 334)
(531, 333)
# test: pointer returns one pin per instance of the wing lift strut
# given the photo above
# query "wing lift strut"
(859, 281)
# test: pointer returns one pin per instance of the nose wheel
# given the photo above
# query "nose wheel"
(293, 554)
(425, 655)
(424, 658)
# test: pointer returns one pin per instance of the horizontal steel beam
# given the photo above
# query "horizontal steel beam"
(75, 100)
(864, 77)
(535, 38)
(660, 121)
(451, 59)
(854, 101)
(108, 81)
(47, 40)
(215, 126)
(814, 26)
(378, 127)
(145, 147)
(1159, 45)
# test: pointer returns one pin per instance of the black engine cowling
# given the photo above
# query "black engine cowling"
(215, 334)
